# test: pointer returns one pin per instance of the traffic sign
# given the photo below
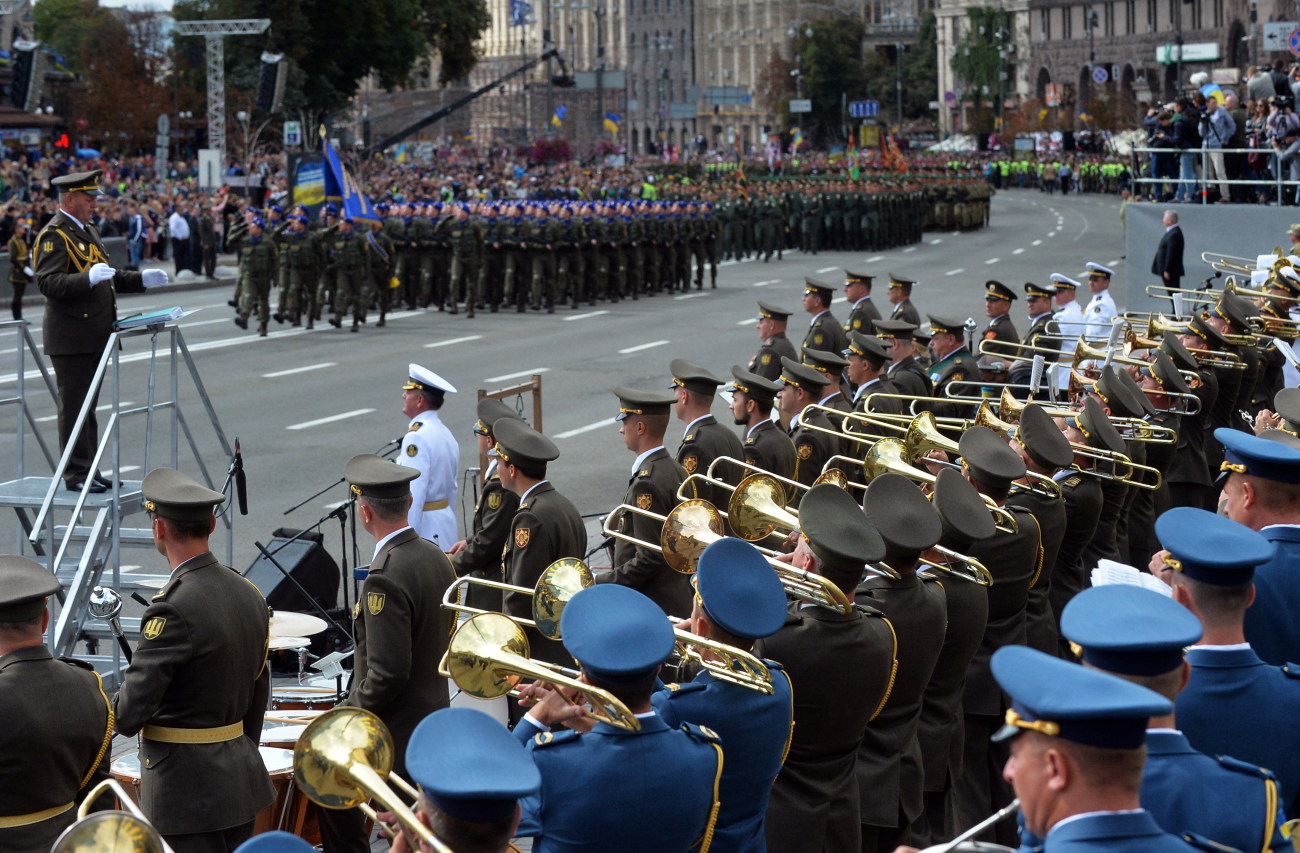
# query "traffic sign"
(292, 133)
(949, 96)
(1099, 75)
(801, 105)
(1293, 42)
(864, 109)
(1277, 33)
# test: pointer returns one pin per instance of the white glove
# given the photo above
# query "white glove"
(28, 271)
(101, 272)
(154, 278)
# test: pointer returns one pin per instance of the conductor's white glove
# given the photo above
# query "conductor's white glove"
(154, 278)
(101, 272)
(28, 271)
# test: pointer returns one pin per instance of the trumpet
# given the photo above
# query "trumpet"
(559, 583)
(125, 831)
(1209, 358)
(1086, 351)
(487, 657)
(681, 539)
(345, 757)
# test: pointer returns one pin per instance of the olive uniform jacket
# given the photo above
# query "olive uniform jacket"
(815, 802)
(1081, 496)
(57, 734)
(910, 377)
(958, 366)
(771, 449)
(200, 664)
(705, 441)
(401, 631)
(906, 312)
(547, 527)
(812, 448)
(482, 554)
(1001, 329)
(825, 334)
(767, 361)
(863, 317)
(653, 487)
(78, 318)
(1040, 620)
(890, 776)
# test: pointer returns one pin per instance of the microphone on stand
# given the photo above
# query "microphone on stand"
(241, 480)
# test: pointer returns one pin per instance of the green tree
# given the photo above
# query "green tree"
(921, 70)
(71, 27)
(834, 69)
(978, 62)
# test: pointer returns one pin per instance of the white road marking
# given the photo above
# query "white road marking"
(640, 347)
(748, 321)
(936, 241)
(1036, 243)
(1114, 261)
(991, 261)
(910, 249)
(343, 416)
(1017, 251)
(229, 320)
(954, 272)
(827, 269)
(875, 258)
(125, 404)
(584, 316)
(588, 428)
(293, 370)
(756, 284)
(450, 341)
(517, 374)
(690, 295)
(125, 469)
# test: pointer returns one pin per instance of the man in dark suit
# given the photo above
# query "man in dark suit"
(197, 687)
(400, 627)
(655, 478)
(547, 527)
(1168, 262)
(59, 722)
(73, 274)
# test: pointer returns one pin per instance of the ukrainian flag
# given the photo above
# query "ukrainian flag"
(613, 121)
(355, 203)
(561, 113)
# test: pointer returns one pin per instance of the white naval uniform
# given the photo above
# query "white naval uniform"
(1070, 324)
(1099, 314)
(428, 447)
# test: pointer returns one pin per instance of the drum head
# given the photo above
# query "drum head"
(126, 766)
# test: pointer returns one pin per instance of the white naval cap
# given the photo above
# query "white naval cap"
(1091, 268)
(424, 379)
(1064, 280)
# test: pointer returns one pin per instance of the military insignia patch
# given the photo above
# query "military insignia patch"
(644, 501)
(818, 338)
(47, 246)
(708, 732)
(411, 450)
(413, 427)
(957, 376)
(544, 738)
(356, 610)
(494, 501)
(804, 450)
(690, 463)
(990, 334)
(521, 537)
(766, 358)
(857, 324)
(375, 602)
(154, 627)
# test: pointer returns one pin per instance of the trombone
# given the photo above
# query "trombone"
(345, 757)
(487, 657)
(127, 831)
(1157, 325)
(1010, 408)
(682, 537)
(560, 582)
(710, 476)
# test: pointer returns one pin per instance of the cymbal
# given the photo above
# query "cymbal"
(286, 623)
(288, 643)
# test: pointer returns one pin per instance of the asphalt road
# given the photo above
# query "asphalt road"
(303, 402)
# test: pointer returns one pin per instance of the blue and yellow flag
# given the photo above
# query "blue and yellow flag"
(401, 152)
(561, 113)
(58, 64)
(613, 121)
(519, 12)
(340, 184)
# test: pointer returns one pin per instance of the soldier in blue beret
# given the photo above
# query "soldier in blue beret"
(593, 788)
(1140, 636)
(738, 599)
(1261, 489)
(1076, 762)
(472, 772)
(275, 842)
(1234, 703)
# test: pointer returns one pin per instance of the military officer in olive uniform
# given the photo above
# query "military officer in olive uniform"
(480, 554)
(400, 626)
(259, 265)
(824, 331)
(1038, 304)
(905, 372)
(80, 291)
(705, 439)
(765, 444)
(738, 600)
(997, 307)
(655, 478)
(196, 689)
(803, 386)
(58, 722)
(900, 294)
(953, 363)
(864, 314)
(815, 803)
(771, 329)
(547, 527)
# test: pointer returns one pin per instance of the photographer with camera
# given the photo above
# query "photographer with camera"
(1162, 162)
(1284, 135)
(1216, 127)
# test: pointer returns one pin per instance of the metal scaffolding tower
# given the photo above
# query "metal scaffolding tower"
(214, 33)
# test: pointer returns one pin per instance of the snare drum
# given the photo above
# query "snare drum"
(278, 762)
(282, 736)
(304, 699)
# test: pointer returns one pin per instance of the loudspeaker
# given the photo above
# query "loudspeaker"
(306, 559)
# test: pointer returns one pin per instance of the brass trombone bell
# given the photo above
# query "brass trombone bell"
(487, 657)
(687, 530)
(792, 486)
(126, 831)
(345, 757)
(732, 664)
(756, 509)
(560, 582)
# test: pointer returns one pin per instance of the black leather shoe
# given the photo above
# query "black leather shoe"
(102, 480)
(93, 487)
